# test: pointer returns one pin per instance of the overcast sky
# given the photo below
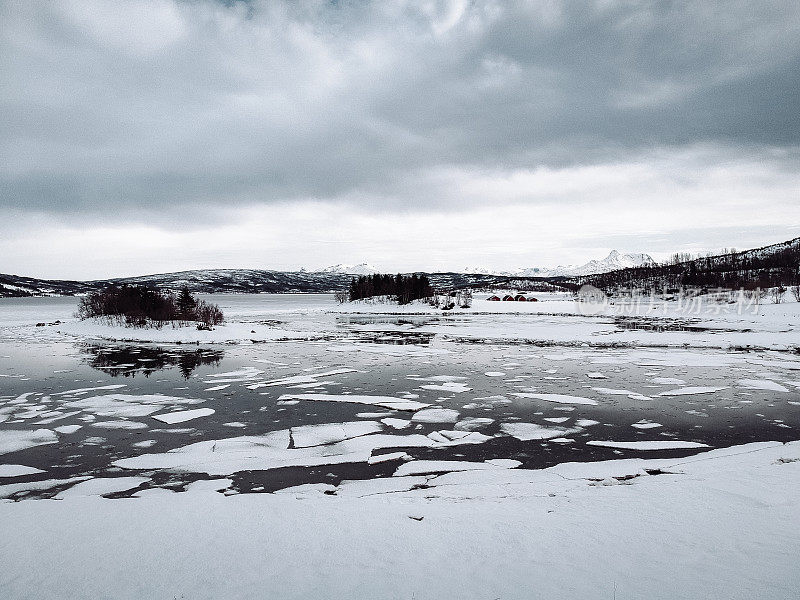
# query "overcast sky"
(140, 137)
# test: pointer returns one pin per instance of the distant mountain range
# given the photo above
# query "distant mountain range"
(761, 265)
(614, 261)
(238, 281)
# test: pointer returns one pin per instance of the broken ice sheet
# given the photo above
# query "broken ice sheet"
(128, 405)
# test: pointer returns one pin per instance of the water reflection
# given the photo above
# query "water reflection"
(128, 361)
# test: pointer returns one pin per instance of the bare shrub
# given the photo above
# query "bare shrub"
(139, 306)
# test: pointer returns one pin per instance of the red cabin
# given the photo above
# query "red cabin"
(493, 299)
(508, 298)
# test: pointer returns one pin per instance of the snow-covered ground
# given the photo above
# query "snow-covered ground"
(718, 526)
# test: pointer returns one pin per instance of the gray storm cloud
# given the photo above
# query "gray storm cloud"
(131, 106)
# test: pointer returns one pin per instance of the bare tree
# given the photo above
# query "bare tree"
(796, 292)
(777, 293)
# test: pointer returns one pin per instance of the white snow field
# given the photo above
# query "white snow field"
(580, 530)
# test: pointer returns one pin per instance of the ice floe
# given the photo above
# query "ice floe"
(556, 419)
(612, 392)
(457, 438)
(645, 424)
(18, 470)
(383, 401)
(13, 440)
(692, 390)
(473, 423)
(648, 445)
(121, 424)
(8, 490)
(559, 398)
(421, 467)
(533, 431)
(762, 384)
(100, 486)
(128, 405)
(436, 415)
(115, 386)
(272, 451)
(388, 457)
(183, 415)
(448, 386)
(396, 423)
(329, 433)
(390, 349)
(144, 444)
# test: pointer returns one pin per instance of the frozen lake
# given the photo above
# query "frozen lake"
(324, 394)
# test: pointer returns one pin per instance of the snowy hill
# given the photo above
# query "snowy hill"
(763, 268)
(252, 281)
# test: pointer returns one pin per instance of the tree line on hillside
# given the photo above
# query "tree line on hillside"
(774, 266)
(404, 287)
(140, 306)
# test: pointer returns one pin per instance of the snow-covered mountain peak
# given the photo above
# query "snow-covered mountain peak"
(359, 269)
(615, 260)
